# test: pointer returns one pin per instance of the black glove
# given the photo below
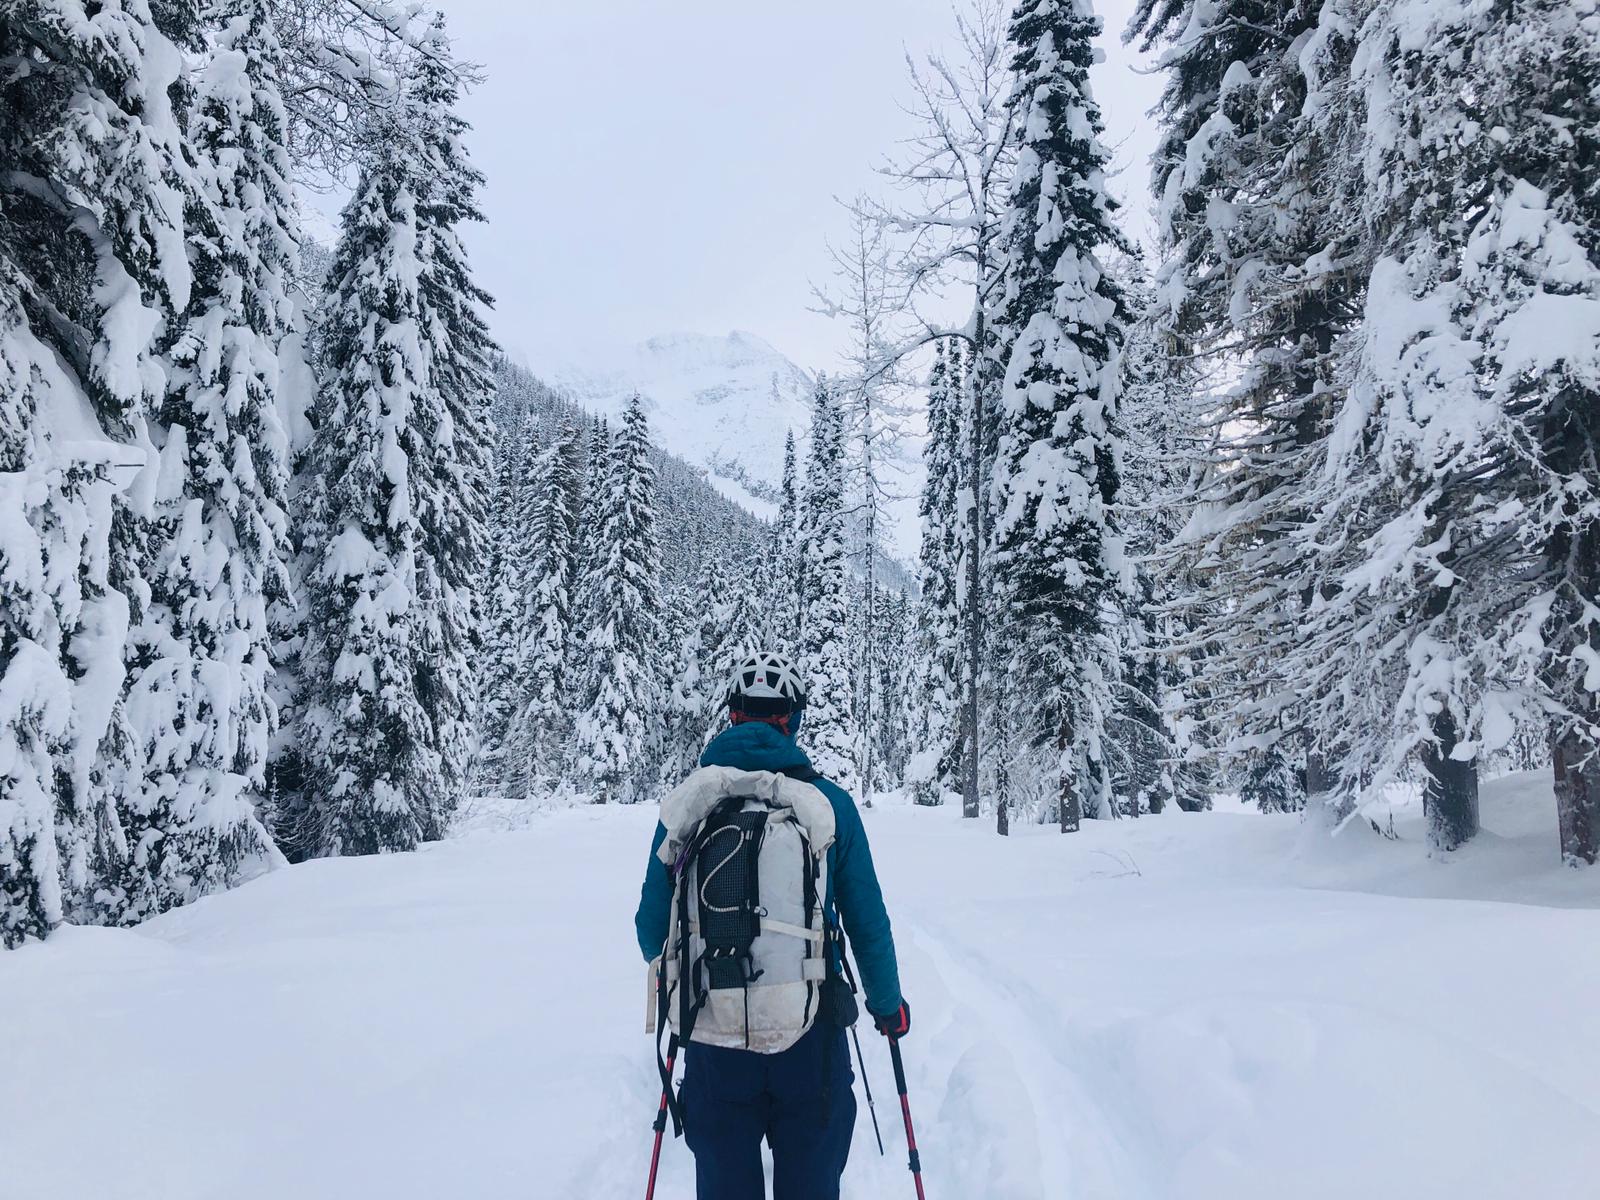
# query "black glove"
(897, 1024)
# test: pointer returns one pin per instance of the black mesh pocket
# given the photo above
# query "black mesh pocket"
(730, 895)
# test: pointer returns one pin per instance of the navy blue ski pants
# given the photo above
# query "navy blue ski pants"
(800, 1100)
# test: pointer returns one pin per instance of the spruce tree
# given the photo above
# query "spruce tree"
(615, 733)
(396, 512)
(372, 778)
(691, 636)
(935, 768)
(590, 554)
(506, 578)
(452, 511)
(544, 724)
(737, 630)
(1056, 554)
(1157, 751)
(93, 274)
(36, 700)
(893, 673)
(1263, 279)
(831, 732)
(1461, 478)
(218, 540)
(1273, 782)
(786, 574)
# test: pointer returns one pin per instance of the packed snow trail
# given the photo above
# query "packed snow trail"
(1213, 1007)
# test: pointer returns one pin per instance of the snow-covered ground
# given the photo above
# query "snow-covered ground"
(1223, 1006)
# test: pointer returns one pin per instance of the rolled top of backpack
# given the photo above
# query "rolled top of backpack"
(688, 805)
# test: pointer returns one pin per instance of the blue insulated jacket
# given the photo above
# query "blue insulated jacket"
(853, 893)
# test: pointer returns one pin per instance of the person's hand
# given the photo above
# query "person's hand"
(897, 1024)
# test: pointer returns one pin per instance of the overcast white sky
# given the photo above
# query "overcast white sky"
(659, 167)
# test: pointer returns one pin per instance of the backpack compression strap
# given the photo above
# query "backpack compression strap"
(688, 976)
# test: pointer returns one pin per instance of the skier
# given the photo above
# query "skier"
(798, 1098)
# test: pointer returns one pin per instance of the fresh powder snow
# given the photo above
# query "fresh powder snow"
(1193, 1006)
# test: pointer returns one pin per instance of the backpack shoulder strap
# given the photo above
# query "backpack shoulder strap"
(805, 774)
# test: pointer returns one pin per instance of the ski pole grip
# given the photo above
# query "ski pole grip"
(899, 1066)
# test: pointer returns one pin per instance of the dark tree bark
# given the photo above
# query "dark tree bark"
(978, 379)
(1577, 784)
(1573, 553)
(1070, 804)
(1450, 796)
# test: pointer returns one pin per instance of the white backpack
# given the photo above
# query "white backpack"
(746, 951)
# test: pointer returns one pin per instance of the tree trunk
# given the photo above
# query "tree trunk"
(1002, 765)
(1450, 796)
(1318, 778)
(1069, 802)
(1577, 783)
(1323, 788)
(975, 380)
(1574, 554)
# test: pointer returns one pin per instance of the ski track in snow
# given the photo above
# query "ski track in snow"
(1213, 1007)
(1011, 1154)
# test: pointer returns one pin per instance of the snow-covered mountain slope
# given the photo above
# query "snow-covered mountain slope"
(1216, 1006)
(722, 403)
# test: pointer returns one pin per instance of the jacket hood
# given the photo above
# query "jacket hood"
(754, 747)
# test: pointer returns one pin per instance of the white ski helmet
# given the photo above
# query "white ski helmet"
(766, 683)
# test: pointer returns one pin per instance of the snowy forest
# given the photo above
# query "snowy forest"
(1296, 501)
(1178, 494)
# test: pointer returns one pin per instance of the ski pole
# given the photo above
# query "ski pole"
(844, 962)
(871, 1108)
(905, 1111)
(661, 1119)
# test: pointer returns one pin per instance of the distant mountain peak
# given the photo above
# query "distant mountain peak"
(722, 402)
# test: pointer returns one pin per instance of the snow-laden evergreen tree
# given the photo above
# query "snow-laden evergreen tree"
(218, 540)
(36, 698)
(893, 676)
(786, 570)
(832, 734)
(502, 673)
(543, 726)
(934, 768)
(712, 624)
(95, 184)
(1273, 782)
(1457, 513)
(1158, 759)
(1056, 553)
(452, 513)
(590, 554)
(1263, 276)
(689, 644)
(738, 629)
(614, 735)
(395, 527)
(373, 779)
